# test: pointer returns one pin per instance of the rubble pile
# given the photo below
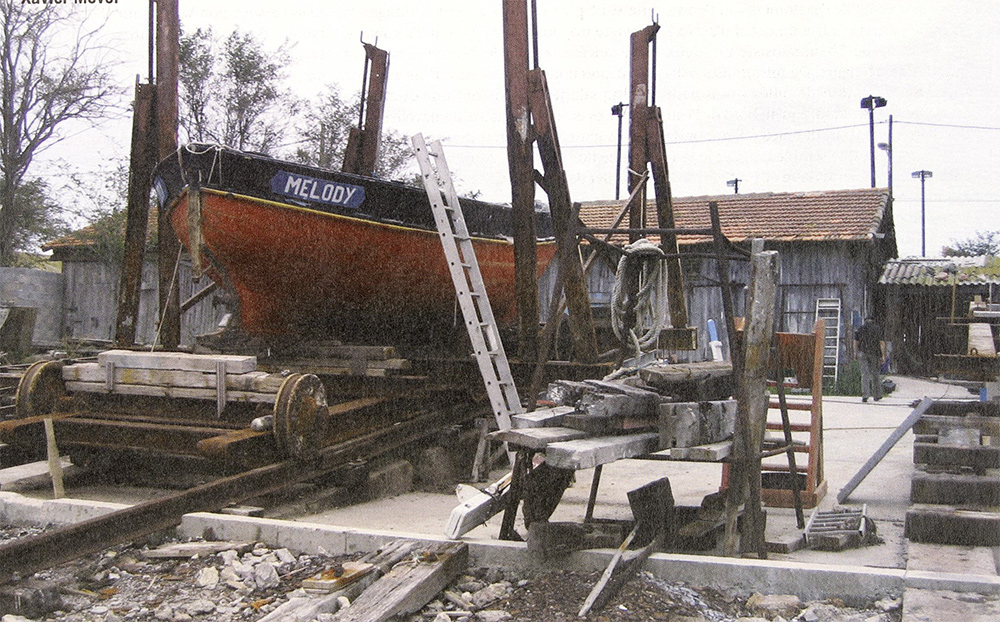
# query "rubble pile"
(237, 581)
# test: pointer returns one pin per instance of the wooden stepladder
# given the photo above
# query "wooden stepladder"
(483, 333)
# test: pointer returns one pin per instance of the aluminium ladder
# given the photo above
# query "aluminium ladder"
(487, 347)
(828, 310)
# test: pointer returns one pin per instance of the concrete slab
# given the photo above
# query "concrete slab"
(938, 605)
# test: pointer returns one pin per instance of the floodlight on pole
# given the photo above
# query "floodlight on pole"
(922, 176)
(870, 103)
(617, 110)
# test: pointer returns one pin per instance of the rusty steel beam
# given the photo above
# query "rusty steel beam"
(520, 162)
(25, 556)
(638, 112)
(143, 158)
(361, 153)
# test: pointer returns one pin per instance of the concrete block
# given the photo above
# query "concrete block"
(688, 424)
(434, 470)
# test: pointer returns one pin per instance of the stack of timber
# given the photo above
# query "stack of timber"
(174, 375)
(956, 490)
(594, 422)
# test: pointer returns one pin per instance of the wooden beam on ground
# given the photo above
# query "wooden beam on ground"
(235, 364)
(409, 586)
(978, 458)
(955, 489)
(881, 452)
(950, 525)
(543, 417)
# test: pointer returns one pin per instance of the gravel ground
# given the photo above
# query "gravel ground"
(248, 583)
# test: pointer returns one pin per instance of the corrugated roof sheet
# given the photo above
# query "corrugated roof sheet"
(981, 270)
(786, 217)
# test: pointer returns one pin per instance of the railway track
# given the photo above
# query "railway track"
(25, 556)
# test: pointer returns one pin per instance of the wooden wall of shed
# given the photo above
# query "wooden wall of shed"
(91, 297)
(915, 326)
(809, 270)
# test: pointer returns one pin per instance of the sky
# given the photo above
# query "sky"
(766, 91)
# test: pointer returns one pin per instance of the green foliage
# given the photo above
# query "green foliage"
(848, 380)
(982, 243)
(101, 201)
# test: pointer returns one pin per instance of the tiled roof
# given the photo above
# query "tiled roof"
(773, 216)
(980, 270)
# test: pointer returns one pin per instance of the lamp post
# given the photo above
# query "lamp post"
(870, 103)
(617, 110)
(887, 148)
(922, 176)
(734, 183)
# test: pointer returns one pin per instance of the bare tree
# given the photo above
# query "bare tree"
(982, 243)
(234, 95)
(44, 85)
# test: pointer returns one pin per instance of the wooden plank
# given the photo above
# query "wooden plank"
(596, 425)
(176, 360)
(480, 508)
(347, 573)
(348, 363)
(586, 453)
(881, 452)
(537, 438)
(955, 489)
(255, 381)
(541, 418)
(949, 525)
(981, 340)
(179, 392)
(409, 586)
(712, 452)
(187, 550)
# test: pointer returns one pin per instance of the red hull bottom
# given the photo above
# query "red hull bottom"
(295, 268)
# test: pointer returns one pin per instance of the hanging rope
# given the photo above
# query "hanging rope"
(641, 261)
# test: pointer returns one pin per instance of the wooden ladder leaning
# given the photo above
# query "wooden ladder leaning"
(482, 327)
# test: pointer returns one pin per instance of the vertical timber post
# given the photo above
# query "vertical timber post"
(143, 157)
(520, 161)
(638, 111)
(167, 60)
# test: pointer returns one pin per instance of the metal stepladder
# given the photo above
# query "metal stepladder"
(461, 257)
(828, 310)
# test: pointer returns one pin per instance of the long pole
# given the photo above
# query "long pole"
(617, 110)
(923, 220)
(871, 138)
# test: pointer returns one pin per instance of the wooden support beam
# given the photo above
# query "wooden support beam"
(561, 206)
(744, 483)
(520, 163)
(142, 160)
(587, 453)
(167, 68)
(950, 525)
(955, 489)
(978, 458)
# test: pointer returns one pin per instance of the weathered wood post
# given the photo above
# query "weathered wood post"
(744, 481)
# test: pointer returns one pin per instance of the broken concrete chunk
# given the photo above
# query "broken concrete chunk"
(772, 605)
(639, 405)
(689, 424)
(208, 577)
(265, 576)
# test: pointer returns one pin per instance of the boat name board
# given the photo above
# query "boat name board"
(319, 190)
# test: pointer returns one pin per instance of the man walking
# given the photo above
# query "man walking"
(869, 341)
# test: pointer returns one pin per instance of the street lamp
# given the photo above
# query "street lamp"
(617, 110)
(870, 103)
(922, 176)
(734, 184)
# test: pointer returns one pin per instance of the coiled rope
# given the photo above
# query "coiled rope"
(649, 303)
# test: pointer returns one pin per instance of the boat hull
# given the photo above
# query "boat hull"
(293, 268)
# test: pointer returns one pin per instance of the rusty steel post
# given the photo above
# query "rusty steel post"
(363, 142)
(167, 62)
(638, 111)
(143, 158)
(520, 162)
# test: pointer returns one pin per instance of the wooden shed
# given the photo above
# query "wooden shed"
(927, 302)
(832, 246)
